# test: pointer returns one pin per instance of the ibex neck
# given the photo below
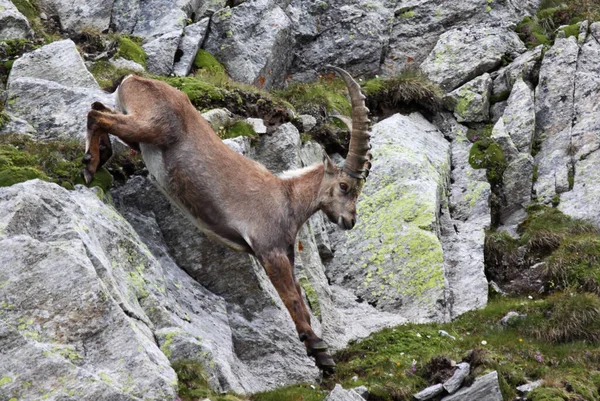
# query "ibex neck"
(304, 191)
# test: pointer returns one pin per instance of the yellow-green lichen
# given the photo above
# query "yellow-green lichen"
(311, 295)
(5, 380)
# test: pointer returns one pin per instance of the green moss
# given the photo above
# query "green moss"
(13, 175)
(106, 74)
(205, 60)
(487, 154)
(130, 48)
(193, 383)
(239, 128)
(200, 93)
(572, 30)
(22, 158)
(407, 14)
(311, 296)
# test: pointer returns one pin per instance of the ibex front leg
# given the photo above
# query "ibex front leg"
(98, 147)
(279, 270)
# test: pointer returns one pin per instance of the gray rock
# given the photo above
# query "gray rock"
(280, 151)
(79, 15)
(417, 25)
(496, 111)
(13, 24)
(429, 392)
(554, 115)
(218, 118)
(463, 223)
(351, 34)
(193, 36)
(160, 52)
(308, 122)
(127, 64)
(511, 317)
(519, 116)
(58, 62)
(17, 125)
(262, 58)
(363, 391)
(444, 333)
(240, 144)
(518, 180)
(453, 384)
(485, 388)
(526, 388)
(52, 109)
(502, 138)
(77, 280)
(472, 100)
(465, 53)
(339, 394)
(583, 147)
(393, 258)
(523, 67)
(258, 124)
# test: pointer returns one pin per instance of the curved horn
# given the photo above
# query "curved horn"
(358, 151)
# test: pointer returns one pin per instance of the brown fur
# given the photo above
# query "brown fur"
(237, 199)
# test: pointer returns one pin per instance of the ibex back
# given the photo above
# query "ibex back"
(231, 198)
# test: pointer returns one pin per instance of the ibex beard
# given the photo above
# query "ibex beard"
(231, 198)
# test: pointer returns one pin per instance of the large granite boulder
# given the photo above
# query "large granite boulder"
(262, 58)
(51, 89)
(394, 258)
(13, 24)
(462, 54)
(417, 25)
(76, 284)
(351, 34)
(79, 15)
(554, 114)
(582, 201)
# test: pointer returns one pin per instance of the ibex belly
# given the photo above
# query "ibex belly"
(153, 158)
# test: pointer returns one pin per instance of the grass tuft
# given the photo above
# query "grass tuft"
(576, 263)
(409, 88)
(321, 98)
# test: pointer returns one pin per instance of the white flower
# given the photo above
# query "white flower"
(483, 342)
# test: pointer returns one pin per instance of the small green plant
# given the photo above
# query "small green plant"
(107, 74)
(206, 61)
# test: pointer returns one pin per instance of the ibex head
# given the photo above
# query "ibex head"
(342, 185)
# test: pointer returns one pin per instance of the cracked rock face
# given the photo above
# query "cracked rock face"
(13, 24)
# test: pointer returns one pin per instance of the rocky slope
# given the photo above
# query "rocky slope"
(107, 292)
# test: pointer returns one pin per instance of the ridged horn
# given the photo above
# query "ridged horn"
(358, 151)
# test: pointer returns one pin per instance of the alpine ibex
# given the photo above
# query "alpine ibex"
(231, 198)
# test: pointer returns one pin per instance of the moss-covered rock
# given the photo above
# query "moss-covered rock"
(205, 60)
(129, 47)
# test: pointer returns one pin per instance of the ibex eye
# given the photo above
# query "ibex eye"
(343, 186)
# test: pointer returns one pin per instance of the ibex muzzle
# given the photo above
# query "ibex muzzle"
(231, 198)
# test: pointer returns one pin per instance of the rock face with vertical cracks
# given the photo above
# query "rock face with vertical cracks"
(394, 257)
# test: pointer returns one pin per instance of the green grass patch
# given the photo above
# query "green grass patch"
(193, 384)
(409, 88)
(201, 94)
(576, 263)
(302, 392)
(321, 97)
(206, 61)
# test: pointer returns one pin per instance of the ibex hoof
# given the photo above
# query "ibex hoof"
(87, 158)
(313, 348)
(99, 106)
(325, 362)
(87, 176)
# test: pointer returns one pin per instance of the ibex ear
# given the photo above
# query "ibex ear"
(330, 167)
